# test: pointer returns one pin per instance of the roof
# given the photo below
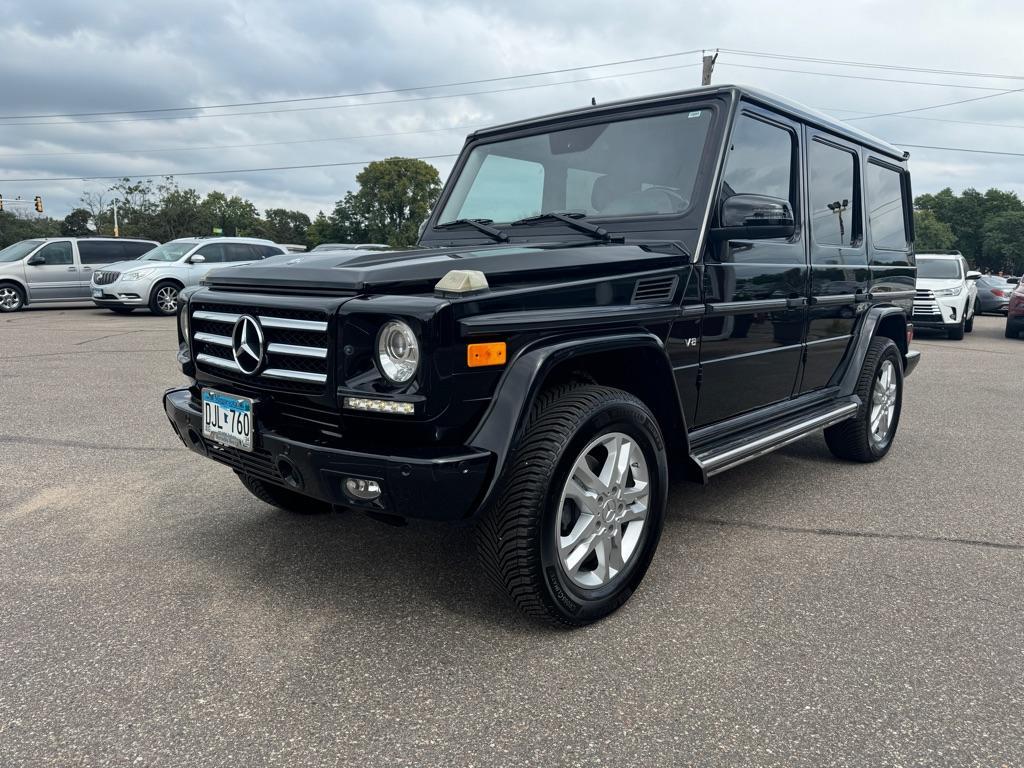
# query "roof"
(766, 98)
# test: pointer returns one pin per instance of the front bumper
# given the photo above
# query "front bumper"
(442, 484)
(121, 293)
(938, 312)
(913, 358)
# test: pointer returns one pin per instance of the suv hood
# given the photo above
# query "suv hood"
(935, 283)
(135, 264)
(334, 272)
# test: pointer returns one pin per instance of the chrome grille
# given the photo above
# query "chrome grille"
(924, 293)
(925, 304)
(295, 345)
(105, 278)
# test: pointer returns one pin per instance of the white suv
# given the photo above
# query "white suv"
(947, 294)
(155, 279)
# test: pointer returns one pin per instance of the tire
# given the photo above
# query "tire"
(282, 498)
(163, 299)
(854, 439)
(121, 310)
(1012, 331)
(519, 537)
(957, 331)
(12, 298)
(969, 325)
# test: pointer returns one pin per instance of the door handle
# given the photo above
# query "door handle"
(72, 269)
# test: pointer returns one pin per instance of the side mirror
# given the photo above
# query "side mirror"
(36, 259)
(1013, 280)
(972, 275)
(754, 217)
(196, 258)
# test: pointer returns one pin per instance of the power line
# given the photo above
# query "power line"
(870, 65)
(862, 77)
(218, 173)
(355, 95)
(959, 149)
(244, 146)
(1016, 126)
(936, 106)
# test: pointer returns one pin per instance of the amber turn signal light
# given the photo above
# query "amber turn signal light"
(479, 355)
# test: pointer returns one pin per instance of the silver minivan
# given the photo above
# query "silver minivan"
(53, 269)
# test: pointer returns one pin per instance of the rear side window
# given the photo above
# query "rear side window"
(887, 213)
(134, 249)
(834, 195)
(235, 252)
(266, 251)
(213, 253)
(760, 160)
(95, 252)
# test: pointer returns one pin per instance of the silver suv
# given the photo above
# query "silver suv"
(155, 280)
(44, 270)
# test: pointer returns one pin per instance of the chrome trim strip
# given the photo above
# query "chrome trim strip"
(294, 350)
(281, 373)
(741, 454)
(295, 325)
(212, 338)
(218, 362)
(216, 317)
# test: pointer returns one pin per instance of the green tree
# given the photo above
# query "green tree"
(179, 212)
(283, 226)
(234, 215)
(137, 205)
(930, 234)
(76, 223)
(394, 196)
(22, 226)
(320, 231)
(1004, 242)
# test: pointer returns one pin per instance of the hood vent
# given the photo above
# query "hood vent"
(654, 290)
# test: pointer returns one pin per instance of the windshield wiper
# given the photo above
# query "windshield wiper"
(575, 220)
(480, 224)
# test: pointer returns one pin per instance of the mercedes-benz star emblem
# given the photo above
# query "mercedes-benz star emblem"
(247, 346)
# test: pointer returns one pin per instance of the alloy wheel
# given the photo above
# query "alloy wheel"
(10, 299)
(167, 299)
(883, 402)
(603, 510)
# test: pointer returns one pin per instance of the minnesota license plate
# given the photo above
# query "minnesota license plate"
(228, 419)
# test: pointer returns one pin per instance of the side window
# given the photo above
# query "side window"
(505, 189)
(134, 249)
(760, 160)
(266, 251)
(235, 252)
(834, 196)
(213, 253)
(887, 214)
(98, 252)
(59, 254)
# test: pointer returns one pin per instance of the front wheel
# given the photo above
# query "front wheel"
(164, 299)
(969, 325)
(956, 332)
(869, 434)
(11, 298)
(581, 506)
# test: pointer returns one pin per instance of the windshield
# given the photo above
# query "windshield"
(19, 250)
(169, 252)
(938, 269)
(644, 166)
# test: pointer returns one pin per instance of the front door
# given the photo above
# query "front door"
(755, 291)
(840, 277)
(57, 276)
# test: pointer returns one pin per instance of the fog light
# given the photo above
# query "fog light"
(379, 406)
(362, 490)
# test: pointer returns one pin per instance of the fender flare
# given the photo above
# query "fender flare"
(524, 379)
(859, 350)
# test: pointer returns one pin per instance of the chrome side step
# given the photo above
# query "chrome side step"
(714, 459)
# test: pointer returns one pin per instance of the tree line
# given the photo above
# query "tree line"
(988, 229)
(393, 197)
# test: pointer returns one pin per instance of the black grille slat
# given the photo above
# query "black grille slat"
(654, 290)
(105, 278)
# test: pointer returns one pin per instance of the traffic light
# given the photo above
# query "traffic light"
(39, 204)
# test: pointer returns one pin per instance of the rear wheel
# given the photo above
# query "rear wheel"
(581, 506)
(868, 436)
(12, 298)
(282, 498)
(164, 299)
(1012, 330)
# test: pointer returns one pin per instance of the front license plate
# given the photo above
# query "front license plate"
(228, 419)
(97, 292)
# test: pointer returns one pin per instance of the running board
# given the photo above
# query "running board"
(742, 448)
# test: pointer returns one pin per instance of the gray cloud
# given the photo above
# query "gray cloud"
(64, 56)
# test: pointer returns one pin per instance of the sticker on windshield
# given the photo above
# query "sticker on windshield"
(694, 114)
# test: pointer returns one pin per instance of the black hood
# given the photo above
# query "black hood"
(417, 271)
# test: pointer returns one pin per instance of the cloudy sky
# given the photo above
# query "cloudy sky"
(64, 57)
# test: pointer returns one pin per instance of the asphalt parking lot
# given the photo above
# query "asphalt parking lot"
(799, 611)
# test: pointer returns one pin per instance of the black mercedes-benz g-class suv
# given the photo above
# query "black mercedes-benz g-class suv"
(689, 280)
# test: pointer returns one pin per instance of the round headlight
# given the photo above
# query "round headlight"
(398, 352)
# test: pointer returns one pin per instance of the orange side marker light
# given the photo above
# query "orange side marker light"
(479, 355)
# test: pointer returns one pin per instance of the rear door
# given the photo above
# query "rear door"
(840, 277)
(57, 278)
(755, 291)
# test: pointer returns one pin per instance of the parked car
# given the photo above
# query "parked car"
(655, 286)
(1015, 309)
(55, 269)
(993, 294)
(155, 280)
(947, 294)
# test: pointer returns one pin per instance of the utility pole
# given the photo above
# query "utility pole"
(708, 68)
(116, 231)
